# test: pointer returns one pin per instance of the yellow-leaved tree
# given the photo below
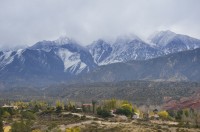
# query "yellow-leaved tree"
(163, 114)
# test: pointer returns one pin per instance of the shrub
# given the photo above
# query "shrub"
(125, 112)
(163, 114)
(126, 109)
(1, 125)
(58, 109)
(28, 115)
(6, 114)
(179, 115)
(21, 126)
(75, 129)
(103, 112)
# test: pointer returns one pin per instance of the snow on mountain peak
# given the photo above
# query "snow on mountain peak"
(162, 38)
(73, 58)
(64, 40)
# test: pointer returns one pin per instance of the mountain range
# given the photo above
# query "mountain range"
(166, 56)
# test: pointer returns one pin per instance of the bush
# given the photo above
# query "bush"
(163, 114)
(126, 109)
(58, 109)
(75, 129)
(28, 115)
(6, 114)
(21, 126)
(179, 115)
(1, 125)
(125, 112)
(103, 112)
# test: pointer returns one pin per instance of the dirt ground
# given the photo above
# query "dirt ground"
(104, 126)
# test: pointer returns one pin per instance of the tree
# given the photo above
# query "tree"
(93, 106)
(163, 114)
(6, 114)
(126, 109)
(179, 115)
(1, 125)
(121, 111)
(21, 126)
(70, 106)
(28, 115)
(74, 129)
(103, 112)
(59, 106)
(36, 108)
(172, 113)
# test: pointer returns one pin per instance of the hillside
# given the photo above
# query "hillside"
(139, 92)
(182, 66)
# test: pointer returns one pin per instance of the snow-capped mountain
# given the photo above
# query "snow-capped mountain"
(24, 63)
(46, 60)
(100, 50)
(170, 42)
(65, 59)
(124, 49)
(131, 48)
(127, 48)
(76, 58)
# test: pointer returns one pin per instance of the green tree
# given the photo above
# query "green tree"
(126, 109)
(93, 105)
(28, 115)
(6, 114)
(21, 126)
(59, 106)
(36, 108)
(1, 125)
(172, 113)
(179, 115)
(121, 111)
(103, 112)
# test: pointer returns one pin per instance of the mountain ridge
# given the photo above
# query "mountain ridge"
(64, 59)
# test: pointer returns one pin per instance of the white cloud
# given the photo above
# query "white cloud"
(26, 22)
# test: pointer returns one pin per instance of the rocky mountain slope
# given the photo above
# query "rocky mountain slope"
(170, 42)
(64, 60)
(182, 66)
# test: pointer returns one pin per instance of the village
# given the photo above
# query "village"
(39, 116)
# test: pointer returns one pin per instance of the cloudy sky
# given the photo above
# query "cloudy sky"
(24, 22)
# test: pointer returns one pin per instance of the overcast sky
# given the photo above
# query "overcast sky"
(28, 21)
